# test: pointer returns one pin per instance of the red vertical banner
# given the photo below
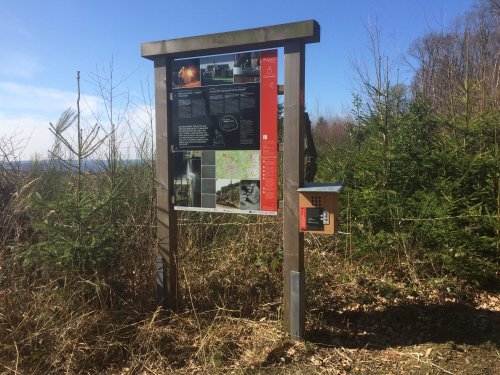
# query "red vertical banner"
(269, 130)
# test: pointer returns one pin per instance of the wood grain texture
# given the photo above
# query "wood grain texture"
(166, 216)
(234, 41)
(293, 172)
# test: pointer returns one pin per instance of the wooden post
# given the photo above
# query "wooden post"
(293, 178)
(165, 215)
(293, 37)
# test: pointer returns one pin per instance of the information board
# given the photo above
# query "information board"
(217, 117)
(224, 115)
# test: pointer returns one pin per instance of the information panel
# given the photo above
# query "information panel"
(217, 117)
(225, 137)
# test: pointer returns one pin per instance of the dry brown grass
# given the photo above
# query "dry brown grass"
(358, 320)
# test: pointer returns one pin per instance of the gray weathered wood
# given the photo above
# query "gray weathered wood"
(293, 177)
(234, 41)
(166, 216)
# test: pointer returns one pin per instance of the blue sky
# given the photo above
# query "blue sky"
(44, 43)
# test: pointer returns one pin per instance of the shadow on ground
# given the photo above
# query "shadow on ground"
(407, 325)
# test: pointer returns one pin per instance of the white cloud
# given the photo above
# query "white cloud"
(27, 110)
(17, 97)
(16, 64)
(29, 99)
(13, 28)
(32, 129)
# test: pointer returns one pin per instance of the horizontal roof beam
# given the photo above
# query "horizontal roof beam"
(233, 41)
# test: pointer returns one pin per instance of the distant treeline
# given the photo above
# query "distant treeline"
(88, 165)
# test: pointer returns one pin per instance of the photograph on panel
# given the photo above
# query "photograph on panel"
(250, 195)
(217, 70)
(247, 67)
(186, 73)
(228, 193)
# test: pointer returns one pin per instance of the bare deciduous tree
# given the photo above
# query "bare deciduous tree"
(459, 70)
